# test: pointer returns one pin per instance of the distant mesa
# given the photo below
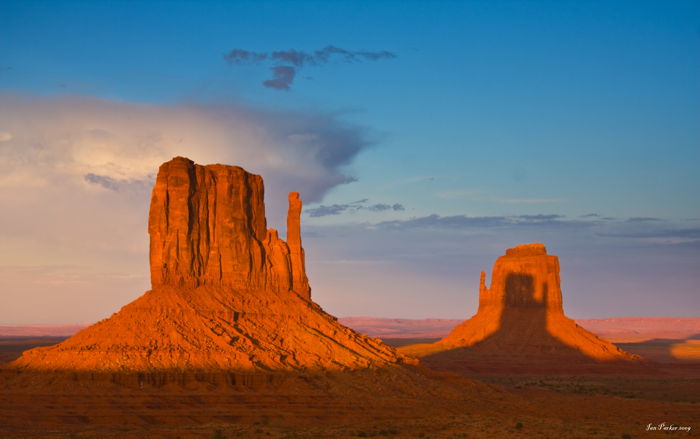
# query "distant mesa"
(521, 318)
(227, 292)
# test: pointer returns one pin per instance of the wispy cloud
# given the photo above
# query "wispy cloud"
(241, 56)
(104, 181)
(286, 63)
(115, 184)
(435, 221)
(640, 229)
(661, 235)
(338, 209)
(642, 219)
(381, 207)
(282, 77)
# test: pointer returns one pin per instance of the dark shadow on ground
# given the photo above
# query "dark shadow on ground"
(399, 342)
(523, 344)
(680, 357)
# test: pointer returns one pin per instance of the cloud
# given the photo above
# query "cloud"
(240, 56)
(283, 76)
(642, 230)
(293, 57)
(337, 209)
(76, 176)
(333, 209)
(114, 184)
(105, 182)
(436, 221)
(662, 235)
(300, 58)
(285, 63)
(83, 141)
(5, 136)
(381, 207)
(642, 219)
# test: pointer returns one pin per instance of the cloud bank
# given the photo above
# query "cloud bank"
(85, 142)
(286, 63)
(76, 175)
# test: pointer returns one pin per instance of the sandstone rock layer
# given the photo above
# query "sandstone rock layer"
(520, 315)
(227, 293)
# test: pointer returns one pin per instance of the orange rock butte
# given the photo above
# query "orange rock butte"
(521, 315)
(227, 293)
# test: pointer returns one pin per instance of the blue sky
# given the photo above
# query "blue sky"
(493, 123)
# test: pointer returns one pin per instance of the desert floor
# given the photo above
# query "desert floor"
(370, 404)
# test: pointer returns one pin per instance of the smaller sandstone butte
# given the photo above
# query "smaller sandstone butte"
(521, 316)
(227, 293)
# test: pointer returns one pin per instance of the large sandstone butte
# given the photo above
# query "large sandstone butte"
(227, 293)
(520, 316)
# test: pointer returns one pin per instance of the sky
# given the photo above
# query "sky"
(425, 138)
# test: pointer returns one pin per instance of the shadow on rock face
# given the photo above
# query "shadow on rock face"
(520, 326)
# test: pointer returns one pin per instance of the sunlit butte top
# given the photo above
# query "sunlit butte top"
(535, 249)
